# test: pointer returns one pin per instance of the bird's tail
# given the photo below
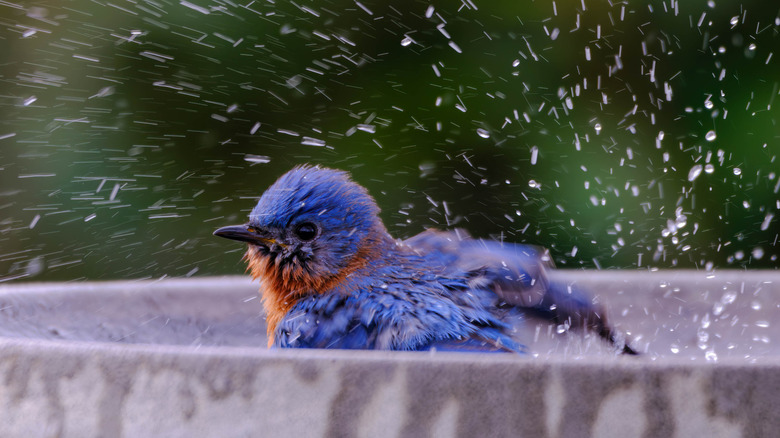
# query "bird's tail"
(563, 303)
(519, 275)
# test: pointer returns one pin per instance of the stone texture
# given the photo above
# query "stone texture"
(188, 358)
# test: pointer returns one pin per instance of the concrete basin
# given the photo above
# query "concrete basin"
(187, 357)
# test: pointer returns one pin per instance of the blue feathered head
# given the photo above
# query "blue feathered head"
(309, 227)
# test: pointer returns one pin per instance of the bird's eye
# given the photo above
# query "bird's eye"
(306, 231)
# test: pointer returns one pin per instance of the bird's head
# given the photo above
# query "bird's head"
(312, 227)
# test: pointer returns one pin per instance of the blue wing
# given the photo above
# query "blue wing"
(415, 314)
(518, 275)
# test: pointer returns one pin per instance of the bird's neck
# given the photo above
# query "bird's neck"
(282, 287)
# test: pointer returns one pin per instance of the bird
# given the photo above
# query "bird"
(331, 276)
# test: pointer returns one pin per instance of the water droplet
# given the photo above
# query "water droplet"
(35, 266)
(406, 41)
(705, 321)
(694, 172)
(258, 159)
(702, 336)
(762, 339)
(734, 20)
(737, 171)
(758, 253)
(675, 348)
(597, 127)
(767, 220)
(534, 185)
(710, 136)
(483, 133)
(709, 168)
(310, 141)
(762, 324)
(708, 104)
(371, 129)
(710, 355)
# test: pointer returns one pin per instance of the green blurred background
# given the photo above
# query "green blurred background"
(130, 130)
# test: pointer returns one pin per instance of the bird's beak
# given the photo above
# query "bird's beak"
(243, 233)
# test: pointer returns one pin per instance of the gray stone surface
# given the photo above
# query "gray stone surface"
(188, 358)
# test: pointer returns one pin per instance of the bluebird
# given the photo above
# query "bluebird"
(332, 276)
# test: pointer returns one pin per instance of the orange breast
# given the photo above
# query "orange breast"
(281, 288)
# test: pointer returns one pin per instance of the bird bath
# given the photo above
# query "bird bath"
(188, 357)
